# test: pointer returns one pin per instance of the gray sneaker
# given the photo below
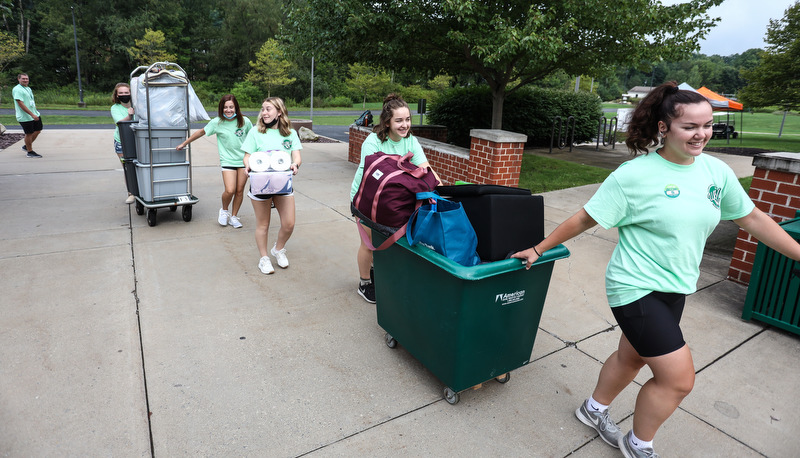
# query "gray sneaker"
(601, 422)
(631, 452)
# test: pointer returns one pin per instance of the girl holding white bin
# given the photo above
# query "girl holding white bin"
(273, 133)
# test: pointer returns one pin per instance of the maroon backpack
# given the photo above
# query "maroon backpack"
(388, 191)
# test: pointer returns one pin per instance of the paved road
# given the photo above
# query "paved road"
(335, 132)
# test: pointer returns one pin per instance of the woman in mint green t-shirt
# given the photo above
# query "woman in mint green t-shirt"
(664, 204)
(273, 133)
(392, 135)
(121, 111)
(231, 128)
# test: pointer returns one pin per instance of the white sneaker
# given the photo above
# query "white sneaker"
(223, 217)
(234, 220)
(130, 199)
(280, 256)
(265, 265)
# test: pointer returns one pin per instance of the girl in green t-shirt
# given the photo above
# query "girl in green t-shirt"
(391, 135)
(122, 111)
(273, 132)
(664, 204)
(231, 128)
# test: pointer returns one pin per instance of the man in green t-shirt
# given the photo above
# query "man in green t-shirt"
(27, 114)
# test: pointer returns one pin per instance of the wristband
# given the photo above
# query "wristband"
(537, 252)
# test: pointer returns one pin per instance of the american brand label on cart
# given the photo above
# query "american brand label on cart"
(509, 298)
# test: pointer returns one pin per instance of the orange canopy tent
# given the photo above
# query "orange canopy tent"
(718, 102)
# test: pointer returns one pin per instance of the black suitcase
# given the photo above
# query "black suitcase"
(505, 219)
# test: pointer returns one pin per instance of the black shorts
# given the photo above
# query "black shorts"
(652, 324)
(30, 127)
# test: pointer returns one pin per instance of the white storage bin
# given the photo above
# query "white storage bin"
(270, 183)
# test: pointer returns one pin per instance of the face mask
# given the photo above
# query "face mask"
(124, 98)
(272, 123)
(229, 117)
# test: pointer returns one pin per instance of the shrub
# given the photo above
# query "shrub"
(247, 94)
(530, 111)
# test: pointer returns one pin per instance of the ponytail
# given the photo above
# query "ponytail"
(390, 103)
(659, 105)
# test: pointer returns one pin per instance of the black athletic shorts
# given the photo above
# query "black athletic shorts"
(30, 127)
(652, 324)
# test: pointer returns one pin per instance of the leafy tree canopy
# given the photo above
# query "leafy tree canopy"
(509, 44)
(776, 79)
(151, 48)
(271, 69)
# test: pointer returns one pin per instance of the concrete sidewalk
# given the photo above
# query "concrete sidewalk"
(120, 339)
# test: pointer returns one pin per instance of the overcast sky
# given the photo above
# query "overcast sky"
(743, 25)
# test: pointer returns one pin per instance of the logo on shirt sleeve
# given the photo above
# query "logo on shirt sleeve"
(714, 195)
(672, 191)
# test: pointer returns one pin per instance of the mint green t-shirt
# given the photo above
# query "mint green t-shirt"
(373, 144)
(118, 112)
(229, 140)
(271, 140)
(664, 213)
(25, 94)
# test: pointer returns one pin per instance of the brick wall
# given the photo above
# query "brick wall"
(494, 156)
(776, 191)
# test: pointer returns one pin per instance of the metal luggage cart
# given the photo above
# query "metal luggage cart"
(164, 174)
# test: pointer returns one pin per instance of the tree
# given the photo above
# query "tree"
(270, 69)
(510, 44)
(151, 48)
(776, 79)
(367, 81)
(10, 49)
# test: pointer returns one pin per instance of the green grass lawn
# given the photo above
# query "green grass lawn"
(541, 174)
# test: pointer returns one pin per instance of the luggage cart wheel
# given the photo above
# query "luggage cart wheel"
(151, 217)
(450, 396)
(139, 208)
(187, 213)
(390, 342)
(504, 378)
(173, 208)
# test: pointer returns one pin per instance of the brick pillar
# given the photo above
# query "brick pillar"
(356, 138)
(495, 156)
(776, 191)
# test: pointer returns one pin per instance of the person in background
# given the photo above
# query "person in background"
(231, 127)
(665, 204)
(273, 132)
(27, 114)
(122, 110)
(391, 135)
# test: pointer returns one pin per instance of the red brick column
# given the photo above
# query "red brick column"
(776, 191)
(495, 157)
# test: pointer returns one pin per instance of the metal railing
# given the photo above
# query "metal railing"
(567, 129)
(606, 132)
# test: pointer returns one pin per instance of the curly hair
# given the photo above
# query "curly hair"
(391, 103)
(661, 104)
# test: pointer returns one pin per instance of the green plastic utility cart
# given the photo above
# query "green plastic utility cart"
(773, 295)
(466, 325)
